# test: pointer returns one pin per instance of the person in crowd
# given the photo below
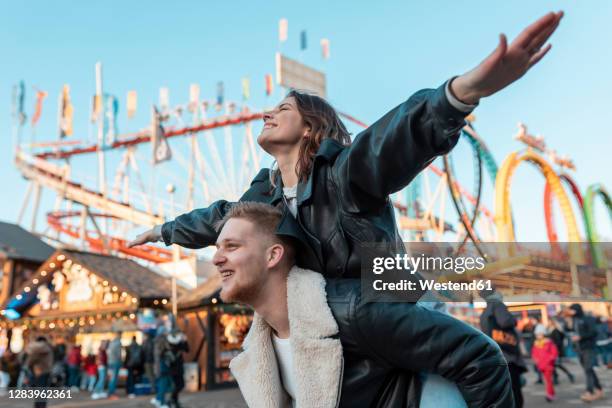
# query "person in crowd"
(178, 345)
(163, 359)
(544, 354)
(557, 335)
(148, 347)
(134, 361)
(317, 343)
(39, 363)
(114, 364)
(102, 363)
(74, 361)
(59, 371)
(603, 340)
(9, 369)
(584, 340)
(497, 322)
(90, 370)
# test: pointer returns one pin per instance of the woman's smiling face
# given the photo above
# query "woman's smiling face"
(283, 126)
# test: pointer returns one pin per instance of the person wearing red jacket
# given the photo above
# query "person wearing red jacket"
(74, 367)
(91, 369)
(544, 354)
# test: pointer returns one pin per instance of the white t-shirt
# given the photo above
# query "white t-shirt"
(290, 194)
(282, 348)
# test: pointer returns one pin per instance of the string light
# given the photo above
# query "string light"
(43, 273)
(164, 301)
(35, 281)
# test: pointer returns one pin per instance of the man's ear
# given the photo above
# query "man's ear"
(274, 255)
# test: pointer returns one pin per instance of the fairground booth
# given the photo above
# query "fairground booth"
(84, 298)
(215, 331)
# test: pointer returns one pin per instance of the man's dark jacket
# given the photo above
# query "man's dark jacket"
(497, 322)
(345, 201)
(384, 344)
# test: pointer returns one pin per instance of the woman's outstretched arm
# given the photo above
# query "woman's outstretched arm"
(385, 157)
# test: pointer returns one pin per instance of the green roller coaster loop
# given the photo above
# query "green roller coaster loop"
(482, 156)
(597, 253)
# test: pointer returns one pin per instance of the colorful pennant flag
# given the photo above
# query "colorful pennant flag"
(164, 99)
(96, 108)
(246, 88)
(40, 97)
(161, 148)
(194, 97)
(283, 29)
(303, 42)
(65, 113)
(269, 85)
(325, 48)
(21, 116)
(131, 104)
(111, 110)
(220, 92)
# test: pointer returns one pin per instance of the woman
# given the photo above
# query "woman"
(336, 194)
(102, 363)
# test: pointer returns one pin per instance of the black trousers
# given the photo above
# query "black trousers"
(515, 377)
(587, 360)
(40, 381)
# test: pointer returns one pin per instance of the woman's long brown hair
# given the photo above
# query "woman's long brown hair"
(323, 121)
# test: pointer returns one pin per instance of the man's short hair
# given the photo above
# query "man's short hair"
(265, 216)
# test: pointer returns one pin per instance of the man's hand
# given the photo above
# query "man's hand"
(507, 63)
(152, 235)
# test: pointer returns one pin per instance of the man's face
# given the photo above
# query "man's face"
(282, 126)
(241, 260)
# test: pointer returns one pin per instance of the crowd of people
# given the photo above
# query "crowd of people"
(155, 367)
(571, 332)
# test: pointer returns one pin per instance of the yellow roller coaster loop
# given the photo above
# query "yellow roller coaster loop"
(503, 217)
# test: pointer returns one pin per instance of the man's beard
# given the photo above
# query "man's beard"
(240, 293)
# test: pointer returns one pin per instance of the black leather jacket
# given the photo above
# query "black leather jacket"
(345, 201)
(385, 344)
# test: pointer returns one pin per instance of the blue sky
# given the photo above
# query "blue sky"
(381, 52)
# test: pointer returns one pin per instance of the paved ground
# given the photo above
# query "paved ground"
(568, 396)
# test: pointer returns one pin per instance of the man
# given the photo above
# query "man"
(499, 324)
(316, 344)
(39, 362)
(585, 340)
(114, 364)
(134, 364)
(178, 345)
(149, 358)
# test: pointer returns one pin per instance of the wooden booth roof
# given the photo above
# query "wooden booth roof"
(202, 294)
(17, 243)
(125, 273)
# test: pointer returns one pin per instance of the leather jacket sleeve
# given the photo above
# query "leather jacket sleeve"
(195, 229)
(410, 337)
(385, 157)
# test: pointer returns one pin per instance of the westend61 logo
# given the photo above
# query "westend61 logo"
(414, 264)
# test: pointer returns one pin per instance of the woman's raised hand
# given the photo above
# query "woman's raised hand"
(506, 63)
(152, 235)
